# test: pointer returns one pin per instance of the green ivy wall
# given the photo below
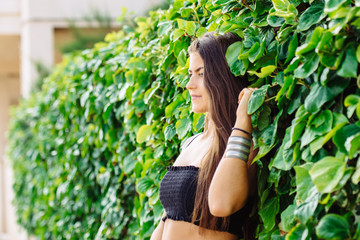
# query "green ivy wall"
(89, 150)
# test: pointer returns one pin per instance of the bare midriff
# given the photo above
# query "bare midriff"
(180, 230)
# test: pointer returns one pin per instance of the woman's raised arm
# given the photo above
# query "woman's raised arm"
(235, 178)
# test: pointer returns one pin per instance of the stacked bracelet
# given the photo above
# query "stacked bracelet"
(241, 130)
(238, 147)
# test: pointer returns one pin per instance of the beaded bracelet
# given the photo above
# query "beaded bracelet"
(241, 130)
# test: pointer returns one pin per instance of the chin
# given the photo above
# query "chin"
(197, 110)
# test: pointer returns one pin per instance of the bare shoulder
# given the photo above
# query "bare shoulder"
(188, 141)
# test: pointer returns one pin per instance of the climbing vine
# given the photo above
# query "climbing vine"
(90, 149)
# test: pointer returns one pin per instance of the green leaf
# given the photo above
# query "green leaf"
(349, 66)
(339, 121)
(182, 58)
(172, 106)
(332, 5)
(312, 15)
(322, 122)
(300, 232)
(283, 8)
(144, 184)
(307, 209)
(183, 126)
(264, 71)
(310, 64)
(239, 67)
(316, 145)
(164, 27)
(304, 185)
(352, 145)
(129, 163)
(358, 53)
(284, 158)
(311, 43)
(143, 134)
(198, 122)
(292, 47)
(275, 21)
(333, 226)
(321, 94)
(190, 28)
(200, 32)
(264, 117)
(269, 212)
(181, 23)
(327, 173)
(256, 51)
(175, 35)
(288, 218)
(351, 100)
(233, 52)
(355, 178)
(343, 134)
(169, 132)
(257, 99)
(219, 2)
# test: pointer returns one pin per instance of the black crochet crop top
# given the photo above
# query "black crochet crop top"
(177, 195)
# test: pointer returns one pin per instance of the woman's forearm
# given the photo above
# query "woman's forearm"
(229, 188)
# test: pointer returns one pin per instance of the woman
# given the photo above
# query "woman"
(207, 193)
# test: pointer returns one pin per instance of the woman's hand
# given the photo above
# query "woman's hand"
(243, 119)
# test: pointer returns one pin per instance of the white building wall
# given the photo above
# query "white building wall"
(9, 17)
(40, 17)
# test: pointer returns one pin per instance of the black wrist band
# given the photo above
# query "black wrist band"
(241, 130)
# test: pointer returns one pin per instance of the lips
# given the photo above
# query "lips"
(194, 97)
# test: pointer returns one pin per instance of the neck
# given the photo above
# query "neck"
(209, 130)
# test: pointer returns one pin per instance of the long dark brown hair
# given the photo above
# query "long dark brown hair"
(223, 88)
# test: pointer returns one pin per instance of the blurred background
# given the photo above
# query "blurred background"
(34, 34)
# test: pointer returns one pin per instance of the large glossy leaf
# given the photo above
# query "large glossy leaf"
(182, 126)
(257, 99)
(349, 66)
(333, 226)
(331, 5)
(304, 184)
(299, 232)
(307, 209)
(327, 173)
(309, 65)
(233, 51)
(311, 16)
(284, 158)
(288, 220)
(144, 133)
(321, 94)
(311, 42)
(269, 212)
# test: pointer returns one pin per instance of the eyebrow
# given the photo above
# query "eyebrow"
(197, 70)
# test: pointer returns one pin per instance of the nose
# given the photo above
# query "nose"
(191, 83)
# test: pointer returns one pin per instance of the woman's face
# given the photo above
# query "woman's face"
(200, 97)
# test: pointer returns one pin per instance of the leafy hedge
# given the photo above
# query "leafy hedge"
(90, 149)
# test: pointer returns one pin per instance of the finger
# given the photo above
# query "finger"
(241, 95)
